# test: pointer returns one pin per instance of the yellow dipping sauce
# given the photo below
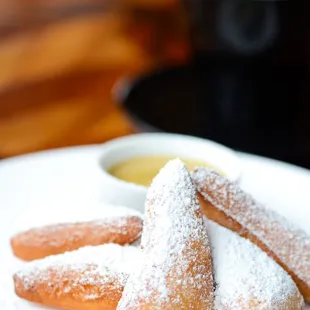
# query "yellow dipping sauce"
(142, 170)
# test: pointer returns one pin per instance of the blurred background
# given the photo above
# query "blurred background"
(76, 72)
(60, 59)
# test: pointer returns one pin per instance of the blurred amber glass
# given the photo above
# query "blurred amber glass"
(59, 60)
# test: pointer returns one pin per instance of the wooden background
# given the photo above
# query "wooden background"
(60, 60)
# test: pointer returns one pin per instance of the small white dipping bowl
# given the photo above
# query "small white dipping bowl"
(119, 192)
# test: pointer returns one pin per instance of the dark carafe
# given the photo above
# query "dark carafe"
(253, 62)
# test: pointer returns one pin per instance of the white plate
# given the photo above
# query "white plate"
(56, 185)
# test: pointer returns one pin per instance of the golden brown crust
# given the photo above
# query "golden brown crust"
(56, 239)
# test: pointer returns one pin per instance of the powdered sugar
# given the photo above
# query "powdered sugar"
(89, 270)
(176, 267)
(288, 243)
(246, 276)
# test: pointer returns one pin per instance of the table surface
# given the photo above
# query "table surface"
(56, 78)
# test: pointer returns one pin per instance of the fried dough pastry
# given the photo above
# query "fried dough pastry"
(59, 238)
(91, 278)
(246, 278)
(175, 271)
(225, 203)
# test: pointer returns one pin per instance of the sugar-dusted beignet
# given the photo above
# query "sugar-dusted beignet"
(225, 203)
(58, 238)
(246, 278)
(176, 269)
(91, 278)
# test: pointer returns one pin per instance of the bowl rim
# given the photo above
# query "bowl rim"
(120, 143)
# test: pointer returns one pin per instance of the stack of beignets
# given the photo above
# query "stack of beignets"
(185, 261)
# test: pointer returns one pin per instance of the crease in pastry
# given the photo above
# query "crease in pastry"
(91, 278)
(54, 239)
(246, 278)
(176, 270)
(225, 203)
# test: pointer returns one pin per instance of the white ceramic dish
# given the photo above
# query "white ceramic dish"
(121, 192)
(50, 186)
